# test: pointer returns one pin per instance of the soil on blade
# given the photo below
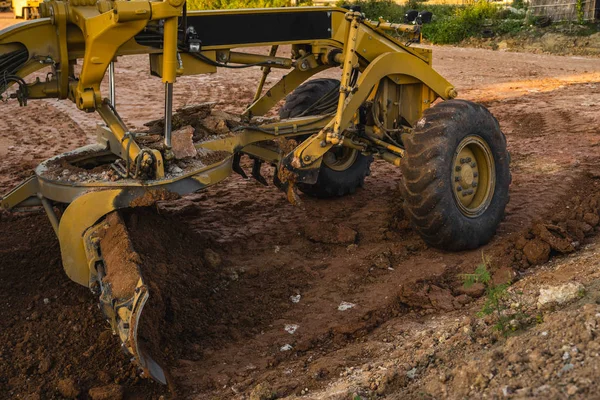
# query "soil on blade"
(121, 260)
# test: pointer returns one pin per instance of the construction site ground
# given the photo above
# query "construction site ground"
(333, 299)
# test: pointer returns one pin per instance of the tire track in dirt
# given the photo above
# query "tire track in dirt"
(549, 147)
(31, 136)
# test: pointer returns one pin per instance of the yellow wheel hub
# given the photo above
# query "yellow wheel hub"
(473, 176)
(340, 159)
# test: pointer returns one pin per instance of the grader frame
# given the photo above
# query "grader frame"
(397, 76)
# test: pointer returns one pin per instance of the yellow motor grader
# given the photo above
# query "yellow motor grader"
(389, 104)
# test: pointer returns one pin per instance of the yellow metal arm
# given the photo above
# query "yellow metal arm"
(393, 65)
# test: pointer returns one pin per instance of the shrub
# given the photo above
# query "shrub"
(467, 21)
(451, 23)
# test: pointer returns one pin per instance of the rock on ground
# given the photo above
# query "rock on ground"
(555, 295)
(537, 251)
(182, 143)
(262, 391)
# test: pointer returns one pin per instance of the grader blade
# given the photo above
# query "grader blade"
(122, 289)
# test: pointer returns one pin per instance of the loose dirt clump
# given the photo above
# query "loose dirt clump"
(150, 197)
(570, 224)
(121, 260)
(63, 170)
(108, 392)
(206, 122)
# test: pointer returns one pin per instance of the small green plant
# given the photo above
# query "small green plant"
(506, 307)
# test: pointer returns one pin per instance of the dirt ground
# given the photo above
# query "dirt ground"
(283, 301)
(6, 19)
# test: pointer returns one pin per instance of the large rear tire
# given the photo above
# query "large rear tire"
(343, 170)
(456, 175)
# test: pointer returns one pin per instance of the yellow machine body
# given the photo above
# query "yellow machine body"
(26, 9)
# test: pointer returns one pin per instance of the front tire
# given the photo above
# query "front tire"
(456, 175)
(343, 170)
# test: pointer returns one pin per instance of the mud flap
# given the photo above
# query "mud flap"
(123, 308)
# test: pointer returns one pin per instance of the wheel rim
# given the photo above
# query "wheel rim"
(473, 176)
(340, 158)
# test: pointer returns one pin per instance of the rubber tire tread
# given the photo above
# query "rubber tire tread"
(305, 95)
(330, 183)
(427, 183)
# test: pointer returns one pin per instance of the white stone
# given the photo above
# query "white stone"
(344, 305)
(291, 328)
(412, 373)
(556, 295)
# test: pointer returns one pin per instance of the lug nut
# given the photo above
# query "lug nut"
(468, 159)
(474, 184)
(462, 160)
(459, 188)
(457, 179)
(473, 164)
(475, 174)
(458, 168)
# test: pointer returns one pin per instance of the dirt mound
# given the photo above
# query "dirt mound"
(538, 40)
(568, 226)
